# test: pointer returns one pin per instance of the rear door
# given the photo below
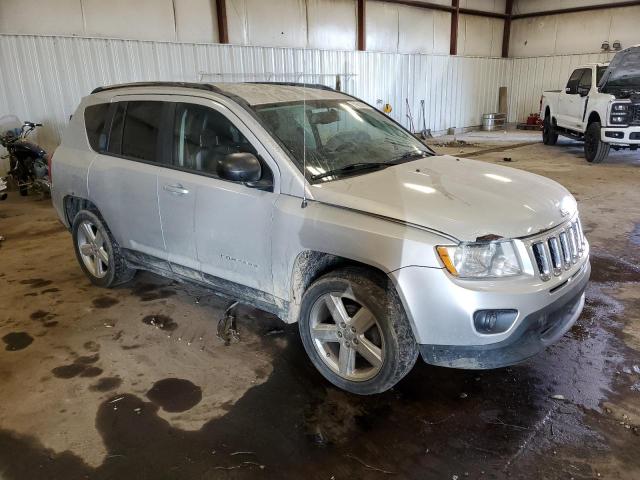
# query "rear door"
(122, 179)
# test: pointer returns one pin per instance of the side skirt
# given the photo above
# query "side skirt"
(219, 286)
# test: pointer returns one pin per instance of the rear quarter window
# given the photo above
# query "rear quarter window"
(95, 121)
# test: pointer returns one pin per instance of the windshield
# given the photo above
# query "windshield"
(10, 125)
(599, 72)
(338, 134)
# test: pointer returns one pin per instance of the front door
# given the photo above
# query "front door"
(570, 101)
(228, 233)
(577, 111)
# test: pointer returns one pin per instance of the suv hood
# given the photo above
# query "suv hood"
(465, 199)
(623, 71)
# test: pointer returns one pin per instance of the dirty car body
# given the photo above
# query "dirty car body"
(293, 198)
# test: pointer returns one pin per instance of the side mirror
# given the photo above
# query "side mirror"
(583, 91)
(570, 91)
(240, 167)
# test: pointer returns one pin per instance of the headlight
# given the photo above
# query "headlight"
(481, 260)
(619, 113)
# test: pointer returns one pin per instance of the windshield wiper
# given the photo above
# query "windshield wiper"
(362, 166)
(353, 167)
(409, 156)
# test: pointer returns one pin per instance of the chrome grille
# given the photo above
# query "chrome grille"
(559, 250)
(635, 115)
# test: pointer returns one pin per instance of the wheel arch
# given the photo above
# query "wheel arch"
(593, 117)
(310, 265)
(73, 205)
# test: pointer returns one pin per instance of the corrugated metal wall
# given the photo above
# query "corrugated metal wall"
(530, 76)
(42, 78)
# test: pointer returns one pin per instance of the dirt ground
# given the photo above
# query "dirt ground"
(133, 383)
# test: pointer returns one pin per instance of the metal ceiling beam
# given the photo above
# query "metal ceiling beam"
(453, 45)
(585, 8)
(445, 8)
(506, 31)
(361, 15)
(221, 16)
(481, 13)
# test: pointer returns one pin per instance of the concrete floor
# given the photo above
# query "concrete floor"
(133, 383)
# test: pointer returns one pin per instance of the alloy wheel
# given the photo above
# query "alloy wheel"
(91, 245)
(347, 336)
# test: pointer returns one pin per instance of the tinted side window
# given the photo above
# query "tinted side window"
(585, 80)
(203, 137)
(95, 122)
(141, 128)
(574, 79)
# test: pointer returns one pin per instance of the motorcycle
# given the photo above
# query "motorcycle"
(28, 163)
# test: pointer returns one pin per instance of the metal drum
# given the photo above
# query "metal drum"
(493, 121)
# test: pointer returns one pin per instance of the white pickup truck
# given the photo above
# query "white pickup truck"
(599, 105)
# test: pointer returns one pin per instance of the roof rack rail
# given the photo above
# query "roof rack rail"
(199, 86)
(318, 86)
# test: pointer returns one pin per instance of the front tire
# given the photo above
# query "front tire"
(97, 252)
(356, 332)
(595, 150)
(549, 134)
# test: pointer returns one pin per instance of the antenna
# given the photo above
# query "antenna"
(304, 139)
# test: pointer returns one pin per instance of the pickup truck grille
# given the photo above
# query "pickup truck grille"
(559, 249)
(635, 115)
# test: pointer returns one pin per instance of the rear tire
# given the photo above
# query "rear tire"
(371, 338)
(97, 252)
(595, 150)
(549, 134)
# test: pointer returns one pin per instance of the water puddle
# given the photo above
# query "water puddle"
(17, 341)
(175, 394)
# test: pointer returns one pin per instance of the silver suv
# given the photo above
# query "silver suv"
(311, 204)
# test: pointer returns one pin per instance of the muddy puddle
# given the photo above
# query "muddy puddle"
(175, 394)
(15, 341)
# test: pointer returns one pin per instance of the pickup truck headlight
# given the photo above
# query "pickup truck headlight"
(619, 113)
(481, 260)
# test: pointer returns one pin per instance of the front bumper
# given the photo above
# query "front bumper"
(620, 135)
(536, 332)
(442, 316)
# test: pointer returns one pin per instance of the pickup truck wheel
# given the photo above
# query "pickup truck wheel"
(356, 332)
(595, 150)
(97, 252)
(549, 135)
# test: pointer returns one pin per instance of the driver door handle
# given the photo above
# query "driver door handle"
(176, 189)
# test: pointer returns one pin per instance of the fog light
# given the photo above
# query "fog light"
(614, 134)
(494, 321)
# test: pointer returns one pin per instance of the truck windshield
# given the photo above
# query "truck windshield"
(341, 137)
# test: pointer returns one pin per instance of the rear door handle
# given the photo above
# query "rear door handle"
(176, 189)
